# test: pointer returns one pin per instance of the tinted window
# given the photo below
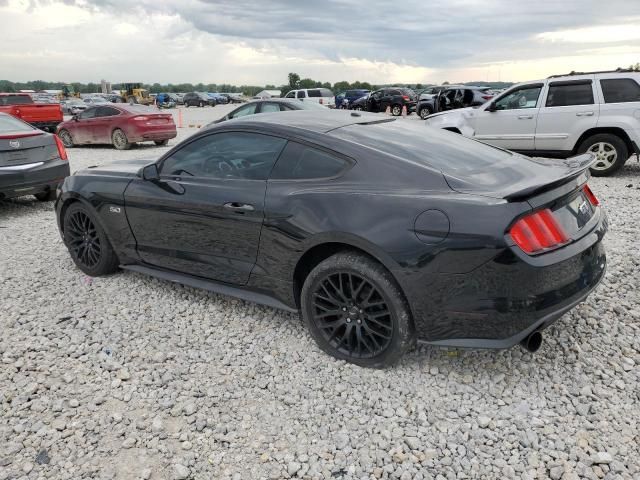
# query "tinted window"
(301, 94)
(88, 113)
(620, 90)
(249, 109)
(302, 162)
(15, 100)
(291, 95)
(11, 124)
(394, 92)
(107, 112)
(562, 95)
(270, 107)
(526, 97)
(314, 93)
(230, 155)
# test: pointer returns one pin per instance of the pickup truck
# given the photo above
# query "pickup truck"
(45, 116)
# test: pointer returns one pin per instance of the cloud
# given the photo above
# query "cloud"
(260, 42)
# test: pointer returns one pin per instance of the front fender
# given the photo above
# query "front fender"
(456, 120)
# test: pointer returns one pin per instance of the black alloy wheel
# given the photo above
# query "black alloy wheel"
(352, 315)
(82, 238)
(87, 243)
(356, 312)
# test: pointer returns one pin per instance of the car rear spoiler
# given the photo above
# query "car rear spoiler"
(574, 167)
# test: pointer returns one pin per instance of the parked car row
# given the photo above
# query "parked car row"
(394, 98)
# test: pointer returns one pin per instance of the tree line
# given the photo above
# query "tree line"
(294, 82)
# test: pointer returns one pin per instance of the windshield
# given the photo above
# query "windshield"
(10, 124)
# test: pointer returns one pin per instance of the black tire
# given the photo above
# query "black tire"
(186, 105)
(358, 108)
(610, 151)
(87, 242)
(383, 327)
(425, 112)
(119, 140)
(162, 143)
(201, 104)
(396, 110)
(48, 196)
(66, 138)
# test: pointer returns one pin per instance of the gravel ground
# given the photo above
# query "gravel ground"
(130, 377)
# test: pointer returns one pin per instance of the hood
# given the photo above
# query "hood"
(123, 168)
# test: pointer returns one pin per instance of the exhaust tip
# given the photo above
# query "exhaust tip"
(533, 342)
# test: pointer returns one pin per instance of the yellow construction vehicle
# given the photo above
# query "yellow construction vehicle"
(68, 92)
(133, 93)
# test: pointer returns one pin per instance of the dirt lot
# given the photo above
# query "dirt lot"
(131, 377)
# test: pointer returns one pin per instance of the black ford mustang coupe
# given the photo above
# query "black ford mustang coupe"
(381, 232)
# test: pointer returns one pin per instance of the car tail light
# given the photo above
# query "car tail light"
(590, 196)
(61, 150)
(537, 232)
(140, 118)
(487, 97)
(321, 101)
(406, 98)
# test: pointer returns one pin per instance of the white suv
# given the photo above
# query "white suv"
(560, 116)
(323, 96)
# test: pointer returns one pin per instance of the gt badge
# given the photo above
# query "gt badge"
(114, 209)
(14, 143)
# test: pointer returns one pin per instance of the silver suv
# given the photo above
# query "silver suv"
(563, 115)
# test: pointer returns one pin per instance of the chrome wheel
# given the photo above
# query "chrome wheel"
(396, 110)
(65, 136)
(82, 239)
(605, 153)
(119, 140)
(352, 315)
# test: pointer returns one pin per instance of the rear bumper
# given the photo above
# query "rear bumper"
(501, 302)
(15, 183)
(152, 133)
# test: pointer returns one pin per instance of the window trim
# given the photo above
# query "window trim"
(349, 163)
(604, 98)
(160, 163)
(517, 89)
(565, 83)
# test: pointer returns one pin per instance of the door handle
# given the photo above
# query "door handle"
(525, 117)
(584, 114)
(239, 207)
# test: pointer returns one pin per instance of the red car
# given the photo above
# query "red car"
(119, 124)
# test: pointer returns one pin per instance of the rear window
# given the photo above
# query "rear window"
(620, 90)
(15, 100)
(314, 93)
(10, 124)
(569, 93)
(426, 146)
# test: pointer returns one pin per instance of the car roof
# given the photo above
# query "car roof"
(313, 121)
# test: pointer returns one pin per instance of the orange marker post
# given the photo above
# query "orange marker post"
(179, 118)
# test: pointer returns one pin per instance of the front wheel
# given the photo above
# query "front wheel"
(425, 112)
(87, 242)
(610, 152)
(355, 311)
(119, 140)
(48, 196)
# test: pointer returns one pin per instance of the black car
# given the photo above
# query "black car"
(360, 104)
(197, 99)
(393, 98)
(459, 96)
(32, 162)
(271, 105)
(381, 233)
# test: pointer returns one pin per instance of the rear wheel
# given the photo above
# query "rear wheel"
(162, 143)
(48, 196)
(87, 242)
(356, 312)
(119, 140)
(610, 151)
(425, 112)
(396, 110)
(66, 138)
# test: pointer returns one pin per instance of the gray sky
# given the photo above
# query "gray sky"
(250, 42)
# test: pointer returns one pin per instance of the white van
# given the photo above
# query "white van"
(323, 96)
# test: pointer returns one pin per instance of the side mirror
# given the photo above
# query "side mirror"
(150, 172)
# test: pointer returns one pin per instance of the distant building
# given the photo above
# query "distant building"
(269, 93)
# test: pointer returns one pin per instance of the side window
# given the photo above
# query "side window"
(107, 112)
(299, 162)
(291, 95)
(301, 94)
(314, 93)
(270, 107)
(620, 90)
(563, 94)
(526, 97)
(88, 113)
(229, 155)
(249, 109)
